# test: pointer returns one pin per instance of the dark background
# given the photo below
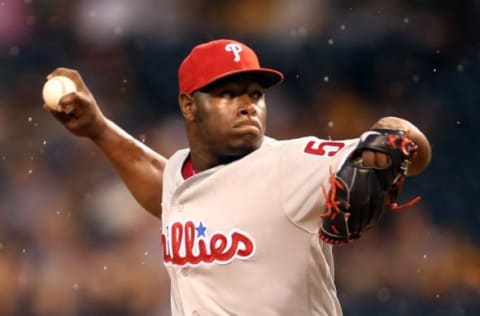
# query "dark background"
(73, 241)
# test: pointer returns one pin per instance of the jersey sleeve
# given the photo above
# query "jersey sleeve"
(304, 167)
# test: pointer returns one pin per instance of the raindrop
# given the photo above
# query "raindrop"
(30, 171)
(24, 250)
(31, 21)
(437, 296)
(415, 78)
(30, 119)
(460, 68)
(105, 268)
(434, 69)
(330, 41)
(146, 253)
(14, 51)
(44, 142)
(383, 295)
(326, 79)
(406, 20)
(118, 30)
(343, 27)
(75, 286)
(330, 124)
(302, 31)
(425, 256)
(142, 138)
(22, 279)
(458, 123)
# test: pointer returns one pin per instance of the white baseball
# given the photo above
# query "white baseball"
(55, 88)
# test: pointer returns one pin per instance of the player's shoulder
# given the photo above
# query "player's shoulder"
(274, 142)
(312, 141)
(270, 143)
(302, 150)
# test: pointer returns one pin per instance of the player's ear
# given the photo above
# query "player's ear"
(187, 106)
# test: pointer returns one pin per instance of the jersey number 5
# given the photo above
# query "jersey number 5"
(323, 148)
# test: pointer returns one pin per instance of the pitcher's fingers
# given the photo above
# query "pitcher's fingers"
(381, 160)
(75, 101)
(368, 158)
(62, 116)
(72, 74)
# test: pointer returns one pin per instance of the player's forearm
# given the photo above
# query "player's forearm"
(140, 167)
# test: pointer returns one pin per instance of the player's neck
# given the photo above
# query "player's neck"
(187, 168)
(201, 162)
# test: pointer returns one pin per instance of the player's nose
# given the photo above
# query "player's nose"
(246, 105)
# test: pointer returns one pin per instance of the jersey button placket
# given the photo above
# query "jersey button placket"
(180, 208)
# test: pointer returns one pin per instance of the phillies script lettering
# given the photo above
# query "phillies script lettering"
(187, 243)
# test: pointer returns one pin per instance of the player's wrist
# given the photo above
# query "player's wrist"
(102, 130)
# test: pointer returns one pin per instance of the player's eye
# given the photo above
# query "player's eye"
(227, 94)
(256, 94)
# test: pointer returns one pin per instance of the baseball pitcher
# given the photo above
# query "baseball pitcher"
(249, 221)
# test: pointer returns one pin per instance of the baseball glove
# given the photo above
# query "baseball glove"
(359, 195)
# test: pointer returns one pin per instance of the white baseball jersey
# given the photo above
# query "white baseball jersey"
(242, 238)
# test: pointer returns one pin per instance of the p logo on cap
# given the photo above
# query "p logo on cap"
(218, 59)
(235, 49)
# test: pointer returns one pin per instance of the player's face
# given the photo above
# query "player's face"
(231, 115)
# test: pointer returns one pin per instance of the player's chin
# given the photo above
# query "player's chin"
(245, 143)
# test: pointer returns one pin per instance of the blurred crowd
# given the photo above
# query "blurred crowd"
(74, 242)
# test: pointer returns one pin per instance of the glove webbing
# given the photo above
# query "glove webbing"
(409, 149)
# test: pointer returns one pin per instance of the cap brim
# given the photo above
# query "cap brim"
(266, 77)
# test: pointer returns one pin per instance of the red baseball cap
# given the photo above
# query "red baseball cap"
(218, 59)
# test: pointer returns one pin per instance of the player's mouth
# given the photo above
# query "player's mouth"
(248, 124)
(248, 128)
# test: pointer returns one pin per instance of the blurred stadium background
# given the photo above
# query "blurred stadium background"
(74, 242)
